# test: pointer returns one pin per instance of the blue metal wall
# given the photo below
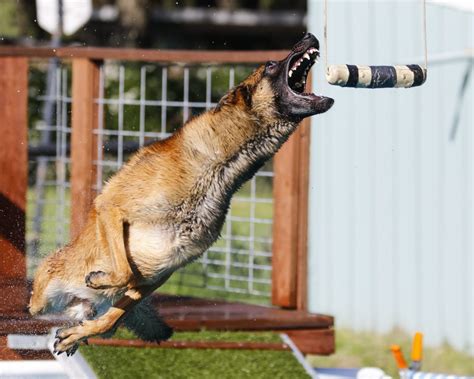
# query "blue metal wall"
(391, 197)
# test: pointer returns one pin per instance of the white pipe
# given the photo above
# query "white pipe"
(28, 342)
(299, 356)
(33, 369)
(75, 365)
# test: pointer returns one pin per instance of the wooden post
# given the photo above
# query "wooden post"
(285, 225)
(290, 221)
(304, 134)
(13, 183)
(85, 89)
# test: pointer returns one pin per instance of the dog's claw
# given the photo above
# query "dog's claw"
(57, 335)
(72, 350)
(68, 340)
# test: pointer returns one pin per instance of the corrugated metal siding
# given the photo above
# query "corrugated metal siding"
(391, 199)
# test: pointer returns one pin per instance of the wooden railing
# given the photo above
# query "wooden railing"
(289, 252)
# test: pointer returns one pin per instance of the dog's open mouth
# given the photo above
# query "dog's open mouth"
(293, 78)
(298, 69)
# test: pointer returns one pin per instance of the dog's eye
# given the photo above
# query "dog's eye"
(271, 64)
(271, 67)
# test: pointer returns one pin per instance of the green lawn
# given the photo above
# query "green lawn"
(352, 350)
(116, 363)
(8, 19)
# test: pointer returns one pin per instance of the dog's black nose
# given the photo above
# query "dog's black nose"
(311, 39)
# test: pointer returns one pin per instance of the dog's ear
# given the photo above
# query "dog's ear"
(245, 92)
(240, 94)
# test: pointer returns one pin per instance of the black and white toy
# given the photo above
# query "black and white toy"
(359, 76)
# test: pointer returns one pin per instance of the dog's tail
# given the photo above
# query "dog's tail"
(144, 320)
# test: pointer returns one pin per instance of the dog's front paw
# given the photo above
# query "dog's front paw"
(67, 340)
(97, 280)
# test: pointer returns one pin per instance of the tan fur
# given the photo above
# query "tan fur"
(164, 208)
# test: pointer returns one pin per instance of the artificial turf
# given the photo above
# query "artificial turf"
(117, 362)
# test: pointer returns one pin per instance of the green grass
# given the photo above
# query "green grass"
(52, 225)
(113, 362)
(8, 19)
(206, 335)
(352, 350)
(368, 349)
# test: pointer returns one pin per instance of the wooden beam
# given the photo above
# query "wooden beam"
(285, 225)
(303, 193)
(290, 220)
(314, 341)
(13, 182)
(85, 89)
(146, 55)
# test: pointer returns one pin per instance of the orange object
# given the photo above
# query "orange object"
(417, 352)
(417, 349)
(398, 355)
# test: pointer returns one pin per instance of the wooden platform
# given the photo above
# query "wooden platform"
(312, 333)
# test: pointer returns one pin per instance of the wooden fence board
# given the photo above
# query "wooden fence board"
(13, 182)
(85, 88)
(290, 220)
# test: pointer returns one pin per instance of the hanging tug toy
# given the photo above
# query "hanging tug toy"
(357, 76)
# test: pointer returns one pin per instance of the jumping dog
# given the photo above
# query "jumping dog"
(167, 205)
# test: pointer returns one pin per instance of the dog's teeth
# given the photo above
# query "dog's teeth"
(306, 56)
(290, 73)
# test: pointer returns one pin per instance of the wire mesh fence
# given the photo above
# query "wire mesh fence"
(48, 160)
(137, 105)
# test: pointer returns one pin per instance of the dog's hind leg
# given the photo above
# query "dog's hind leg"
(145, 321)
(68, 339)
(112, 238)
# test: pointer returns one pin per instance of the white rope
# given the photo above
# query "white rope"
(425, 43)
(326, 34)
